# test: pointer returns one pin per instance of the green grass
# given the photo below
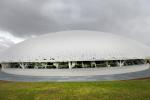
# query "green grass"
(105, 90)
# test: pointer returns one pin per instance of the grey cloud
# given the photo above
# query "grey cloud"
(5, 43)
(25, 18)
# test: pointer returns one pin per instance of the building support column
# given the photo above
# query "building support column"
(71, 64)
(36, 65)
(23, 65)
(107, 64)
(145, 61)
(44, 65)
(93, 64)
(83, 65)
(56, 64)
(120, 63)
(5, 65)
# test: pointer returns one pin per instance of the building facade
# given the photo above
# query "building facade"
(75, 49)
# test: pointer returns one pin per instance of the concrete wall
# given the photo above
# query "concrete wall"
(77, 72)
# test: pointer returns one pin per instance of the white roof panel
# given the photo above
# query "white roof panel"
(76, 46)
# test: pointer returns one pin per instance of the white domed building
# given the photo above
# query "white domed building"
(74, 50)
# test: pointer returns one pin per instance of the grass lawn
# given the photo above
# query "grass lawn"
(106, 90)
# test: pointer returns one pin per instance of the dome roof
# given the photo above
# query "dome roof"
(76, 46)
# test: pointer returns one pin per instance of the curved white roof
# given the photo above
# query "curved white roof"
(76, 46)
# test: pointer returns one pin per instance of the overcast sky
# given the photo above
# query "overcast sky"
(22, 19)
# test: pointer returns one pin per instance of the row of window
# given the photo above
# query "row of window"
(78, 64)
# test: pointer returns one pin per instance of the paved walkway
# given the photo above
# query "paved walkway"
(125, 76)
